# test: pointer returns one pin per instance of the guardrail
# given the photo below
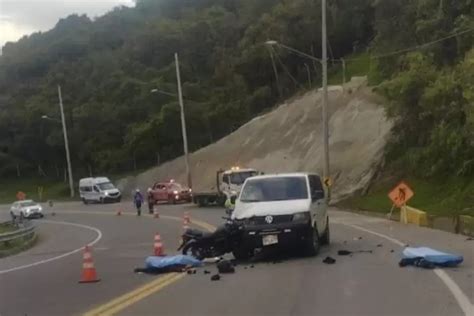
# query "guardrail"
(25, 229)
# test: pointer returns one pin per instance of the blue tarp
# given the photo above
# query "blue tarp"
(429, 258)
(171, 261)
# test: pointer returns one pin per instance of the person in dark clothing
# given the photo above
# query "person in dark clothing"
(138, 201)
(150, 201)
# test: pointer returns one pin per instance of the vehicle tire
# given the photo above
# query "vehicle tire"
(101, 200)
(171, 200)
(325, 238)
(194, 250)
(312, 244)
(242, 253)
(85, 201)
(41, 215)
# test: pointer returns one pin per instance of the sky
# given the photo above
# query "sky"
(23, 17)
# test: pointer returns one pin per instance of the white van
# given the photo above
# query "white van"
(98, 190)
(283, 210)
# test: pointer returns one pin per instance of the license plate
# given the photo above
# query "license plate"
(270, 240)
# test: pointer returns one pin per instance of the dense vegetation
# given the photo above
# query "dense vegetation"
(107, 68)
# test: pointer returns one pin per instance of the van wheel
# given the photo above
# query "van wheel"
(326, 236)
(85, 201)
(101, 200)
(312, 244)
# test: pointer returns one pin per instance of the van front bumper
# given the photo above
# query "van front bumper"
(287, 235)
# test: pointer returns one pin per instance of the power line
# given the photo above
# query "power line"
(286, 69)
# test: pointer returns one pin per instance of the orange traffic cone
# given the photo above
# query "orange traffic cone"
(158, 247)
(89, 275)
(186, 221)
(156, 214)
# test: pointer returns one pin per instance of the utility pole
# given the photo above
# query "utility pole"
(325, 89)
(66, 143)
(183, 123)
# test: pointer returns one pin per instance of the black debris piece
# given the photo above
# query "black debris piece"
(469, 238)
(360, 238)
(189, 272)
(225, 266)
(215, 277)
(407, 245)
(379, 245)
(251, 266)
(392, 250)
(245, 268)
(329, 260)
(207, 272)
(344, 242)
(344, 252)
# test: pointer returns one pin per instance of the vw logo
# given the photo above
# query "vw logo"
(269, 219)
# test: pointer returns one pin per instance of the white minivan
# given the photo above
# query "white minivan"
(98, 190)
(282, 210)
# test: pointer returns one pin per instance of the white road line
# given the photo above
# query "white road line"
(99, 236)
(463, 301)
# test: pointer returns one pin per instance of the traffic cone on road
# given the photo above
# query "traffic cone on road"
(186, 221)
(89, 275)
(158, 246)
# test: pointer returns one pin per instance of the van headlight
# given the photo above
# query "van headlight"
(301, 217)
(106, 193)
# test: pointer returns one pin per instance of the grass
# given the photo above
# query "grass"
(356, 65)
(17, 246)
(52, 189)
(453, 196)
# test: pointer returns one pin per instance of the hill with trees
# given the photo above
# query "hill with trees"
(418, 53)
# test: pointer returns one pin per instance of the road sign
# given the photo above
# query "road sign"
(401, 194)
(20, 196)
(327, 182)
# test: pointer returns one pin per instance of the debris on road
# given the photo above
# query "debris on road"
(207, 272)
(225, 266)
(191, 271)
(329, 260)
(428, 258)
(392, 250)
(469, 238)
(357, 238)
(251, 266)
(380, 245)
(347, 252)
(215, 277)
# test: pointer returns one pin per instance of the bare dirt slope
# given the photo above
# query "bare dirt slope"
(290, 139)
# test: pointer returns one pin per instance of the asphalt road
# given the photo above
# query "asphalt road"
(43, 280)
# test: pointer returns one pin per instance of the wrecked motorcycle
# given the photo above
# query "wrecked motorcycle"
(224, 240)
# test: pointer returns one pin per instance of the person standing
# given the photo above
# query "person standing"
(138, 201)
(150, 200)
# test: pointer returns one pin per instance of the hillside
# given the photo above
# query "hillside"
(289, 139)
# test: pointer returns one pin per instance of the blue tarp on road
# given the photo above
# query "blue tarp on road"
(171, 261)
(429, 258)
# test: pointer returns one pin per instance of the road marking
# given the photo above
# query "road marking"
(463, 301)
(99, 236)
(118, 304)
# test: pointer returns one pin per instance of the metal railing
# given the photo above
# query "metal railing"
(24, 229)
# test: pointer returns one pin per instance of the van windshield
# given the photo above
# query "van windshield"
(105, 186)
(274, 189)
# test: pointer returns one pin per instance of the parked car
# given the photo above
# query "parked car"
(98, 190)
(26, 209)
(286, 210)
(170, 191)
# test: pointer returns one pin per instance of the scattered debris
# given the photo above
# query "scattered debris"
(207, 272)
(380, 245)
(347, 252)
(225, 266)
(251, 266)
(469, 238)
(357, 238)
(344, 252)
(191, 271)
(215, 277)
(392, 250)
(344, 242)
(329, 260)
(245, 268)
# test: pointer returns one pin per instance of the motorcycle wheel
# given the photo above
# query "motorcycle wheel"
(193, 250)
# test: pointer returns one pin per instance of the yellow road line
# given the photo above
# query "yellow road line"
(118, 304)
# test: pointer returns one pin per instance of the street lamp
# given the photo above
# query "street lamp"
(183, 119)
(66, 143)
(323, 62)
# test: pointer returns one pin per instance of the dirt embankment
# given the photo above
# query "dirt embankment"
(289, 139)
